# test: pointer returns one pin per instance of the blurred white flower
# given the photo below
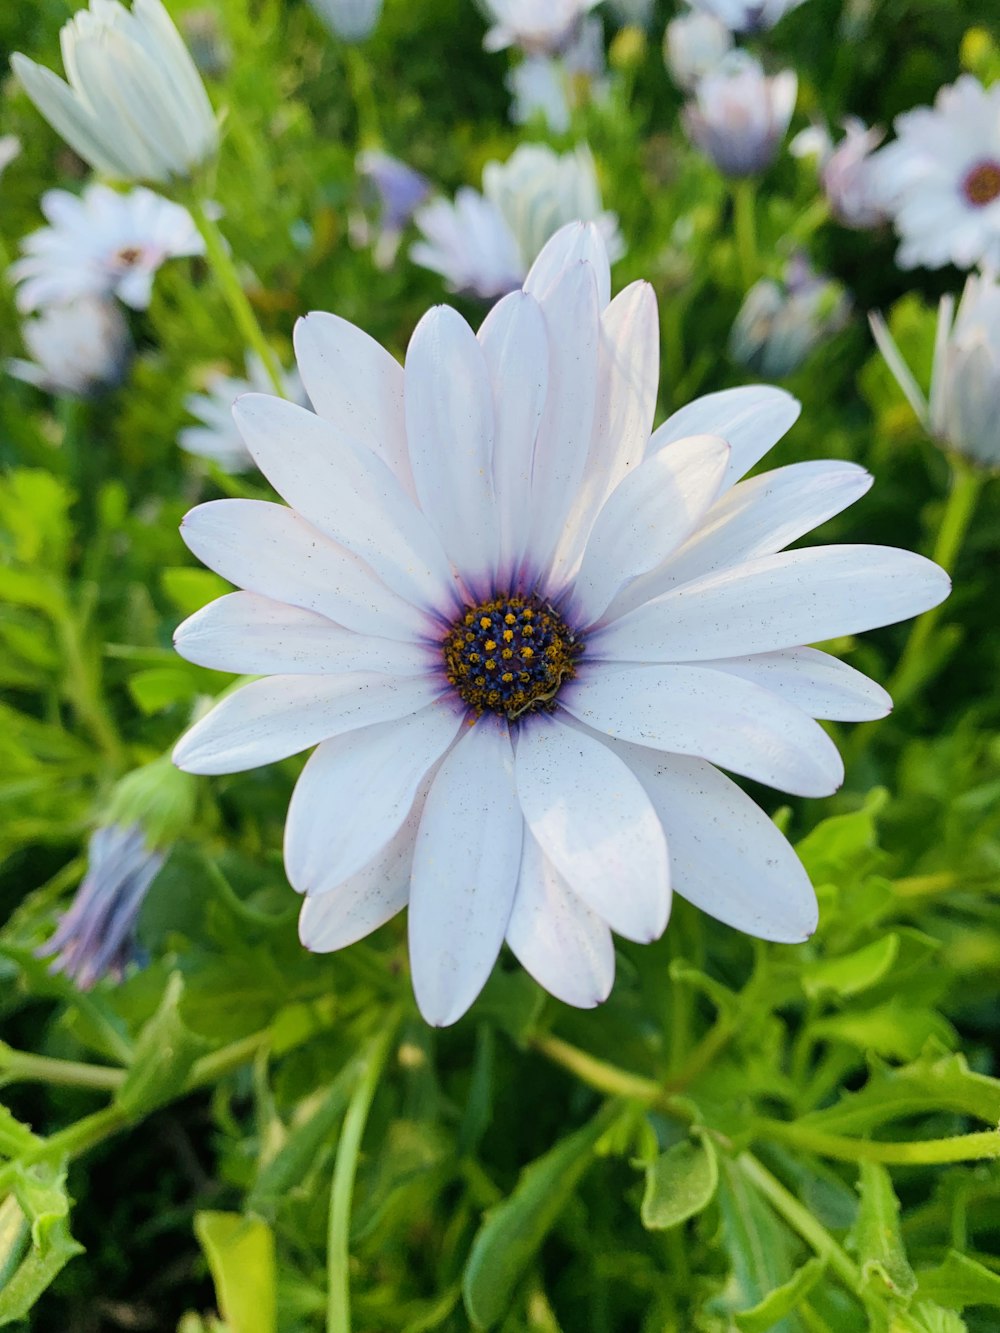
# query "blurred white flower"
(740, 115)
(780, 323)
(963, 413)
(486, 243)
(522, 630)
(554, 85)
(633, 13)
(399, 192)
(849, 172)
(217, 437)
(134, 106)
(350, 20)
(10, 147)
(210, 48)
(940, 178)
(693, 45)
(101, 244)
(746, 15)
(538, 27)
(78, 349)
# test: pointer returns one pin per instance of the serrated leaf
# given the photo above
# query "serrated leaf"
(784, 1300)
(884, 1265)
(40, 1192)
(854, 973)
(679, 1184)
(15, 1138)
(165, 1050)
(959, 1281)
(896, 1029)
(240, 1254)
(513, 1232)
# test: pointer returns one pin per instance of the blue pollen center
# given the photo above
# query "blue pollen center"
(510, 655)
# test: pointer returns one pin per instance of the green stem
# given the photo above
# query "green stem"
(745, 227)
(979, 1147)
(966, 484)
(338, 1306)
(228, 279)
(25, 1067)
(81, 683)
(359, 76)
(801, 1220)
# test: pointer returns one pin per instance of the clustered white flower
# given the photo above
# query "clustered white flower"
(537, 28)
(780, 323)
(849, 172)
(963, 411)
(523, 629)
(551, 86)
(133, 104)
(693, 44)
(78, 349)
(485, 243)
(101, 244)
(746, 15)
(740, 115)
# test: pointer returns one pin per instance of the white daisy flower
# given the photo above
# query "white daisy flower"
(217, 436)
(553, 85)
(101, 244)
(693, 44)
(486, 243)
(133, 105)
(523, 631)
(746, 15)
(350, 20)
(537, 28)
(940, 178)
(963, 412)
(739, 115)
(849, 172)
(780, 323)
(78, 349)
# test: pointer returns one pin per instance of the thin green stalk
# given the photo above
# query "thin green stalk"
(82, 685)
(338, 1306)
(966, 483)
(978, 1147)
(745, 227)
(26, 1067)
(800, 1219)
(228, 279)
(359, 76)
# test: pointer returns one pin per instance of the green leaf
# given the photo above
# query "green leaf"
(513, 1232)
(884, 1265)
(165, 1050)
(161, 687)
(240, 1254)
(784, 1300)
(756, 1240)
(896, 1029)
(959, 1281)
(191, 589)
(854, 973)
(41, 1198)
(844, 843)
(679, 1184)
(15, 1138)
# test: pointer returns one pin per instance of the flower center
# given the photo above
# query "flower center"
(128, 255)
(982, 184)
(510, 655)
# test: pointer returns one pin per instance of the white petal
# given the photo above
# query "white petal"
(347, 492)
(752, 420)
(368, 899)
(727, 856)
(819, 684)
(271, 550)
(712, 715)
(756, 517)
(68, 117)
(565, 946)
(595, 824)
(576, 242)
(573, 329)
(776, 601)
(253, 635)
(273, 718)
(355, 792)
(353, 382)
(516, 349)
(465, 869)
(654, 509)
(900, 371)
(449, 425)
(628, 369)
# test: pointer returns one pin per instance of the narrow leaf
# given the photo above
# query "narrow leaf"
(240, 1254)
(784, 1300)
(884, 1264)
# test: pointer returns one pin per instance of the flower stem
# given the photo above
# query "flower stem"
(338, 1308)
(979, 1147)
(26, 1067)
(359, 76)
(232, 289)
(745, 226)
(966, 484)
